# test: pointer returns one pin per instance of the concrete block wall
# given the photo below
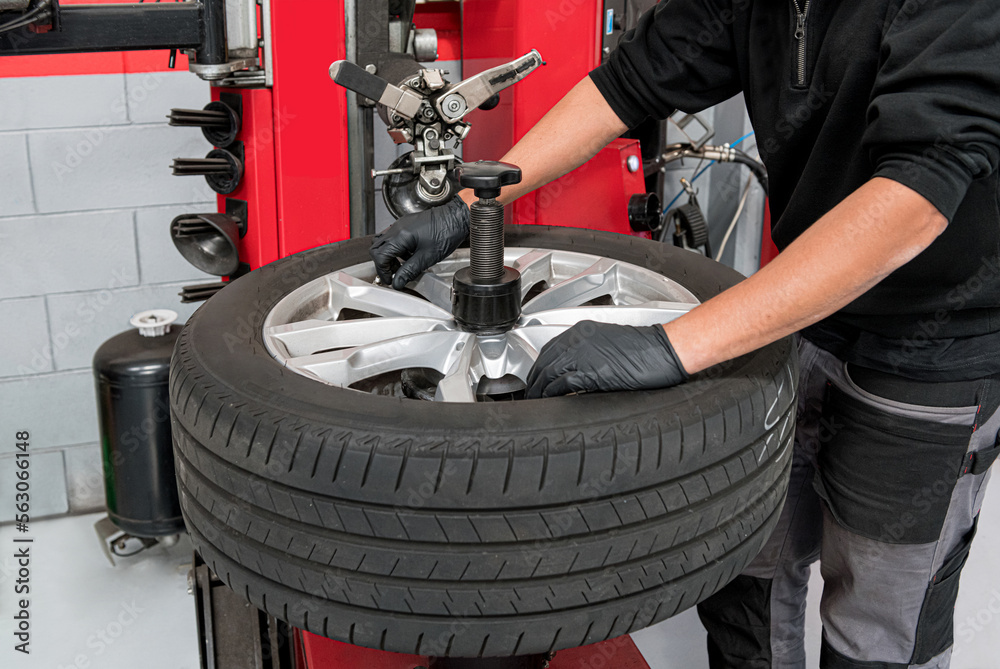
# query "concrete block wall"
(86, 198)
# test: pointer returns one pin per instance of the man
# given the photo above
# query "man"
(879, 123)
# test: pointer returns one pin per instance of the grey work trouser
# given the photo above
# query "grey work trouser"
(886, 494)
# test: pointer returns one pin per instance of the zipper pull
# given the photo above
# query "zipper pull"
(800, 26)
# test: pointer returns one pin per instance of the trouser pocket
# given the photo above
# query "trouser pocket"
(899, 504)
(888, 475)
(935, 629)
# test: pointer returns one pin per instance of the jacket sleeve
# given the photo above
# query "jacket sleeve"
(679, 56)
(933, 123)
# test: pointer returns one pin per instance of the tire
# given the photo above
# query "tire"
(483, 529)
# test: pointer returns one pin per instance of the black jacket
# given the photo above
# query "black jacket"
(904, 90)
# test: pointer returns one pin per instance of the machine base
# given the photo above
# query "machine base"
(322, 653)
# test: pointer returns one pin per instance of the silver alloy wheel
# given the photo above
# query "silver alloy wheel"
(342, 329)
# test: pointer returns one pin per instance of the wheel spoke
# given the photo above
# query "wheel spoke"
(433, 350)
(517, 357)
(533, 338)
(598, 280)
(460, 382)
(435, 288)
(311, 336)
(490, 357)
(534, 266)
(349, 292)
(650, 313)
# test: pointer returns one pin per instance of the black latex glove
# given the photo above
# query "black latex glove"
(605, 357)
(420, 240)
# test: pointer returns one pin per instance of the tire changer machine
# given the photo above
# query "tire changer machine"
(294, 166)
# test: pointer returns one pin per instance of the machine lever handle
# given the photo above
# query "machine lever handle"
(475, 91)
(354, 78)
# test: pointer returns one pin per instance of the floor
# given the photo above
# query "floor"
(87, 614)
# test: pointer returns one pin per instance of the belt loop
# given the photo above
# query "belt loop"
(977, 463)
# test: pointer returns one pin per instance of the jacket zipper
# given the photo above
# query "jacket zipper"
(801, 14)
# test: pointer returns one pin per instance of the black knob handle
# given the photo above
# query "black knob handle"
(492, 103)
(487, 177)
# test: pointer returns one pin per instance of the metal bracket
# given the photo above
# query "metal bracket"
(267, 42)
(214, 72)
(232, 633)
(395, 99)
(682, 120)
(115, 541)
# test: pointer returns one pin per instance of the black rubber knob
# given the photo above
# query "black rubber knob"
(492, 103)
(487, 177)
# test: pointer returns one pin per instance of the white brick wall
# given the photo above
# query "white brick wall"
(86, 198)
(35, 103)
(15, 177)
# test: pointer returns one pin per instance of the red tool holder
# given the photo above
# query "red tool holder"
(258, 187)
(295, 142)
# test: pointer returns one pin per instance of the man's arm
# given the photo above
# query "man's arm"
(876, 230)
(570, 134)
(933, 129)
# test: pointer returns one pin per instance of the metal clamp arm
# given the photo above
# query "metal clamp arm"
(462, 98)
(398, 101)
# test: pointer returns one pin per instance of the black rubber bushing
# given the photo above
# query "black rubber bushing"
(224, 184)
(223, 138)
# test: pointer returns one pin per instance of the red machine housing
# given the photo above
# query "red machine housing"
(593, 196)
(294, 137)
(310, 117)
(568, 36)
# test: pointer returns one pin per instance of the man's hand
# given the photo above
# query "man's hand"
(421, 240)
(604, 357)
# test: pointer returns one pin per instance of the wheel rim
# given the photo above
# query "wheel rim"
(343, 330)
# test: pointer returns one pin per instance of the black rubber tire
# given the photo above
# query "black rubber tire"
(470, 530)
